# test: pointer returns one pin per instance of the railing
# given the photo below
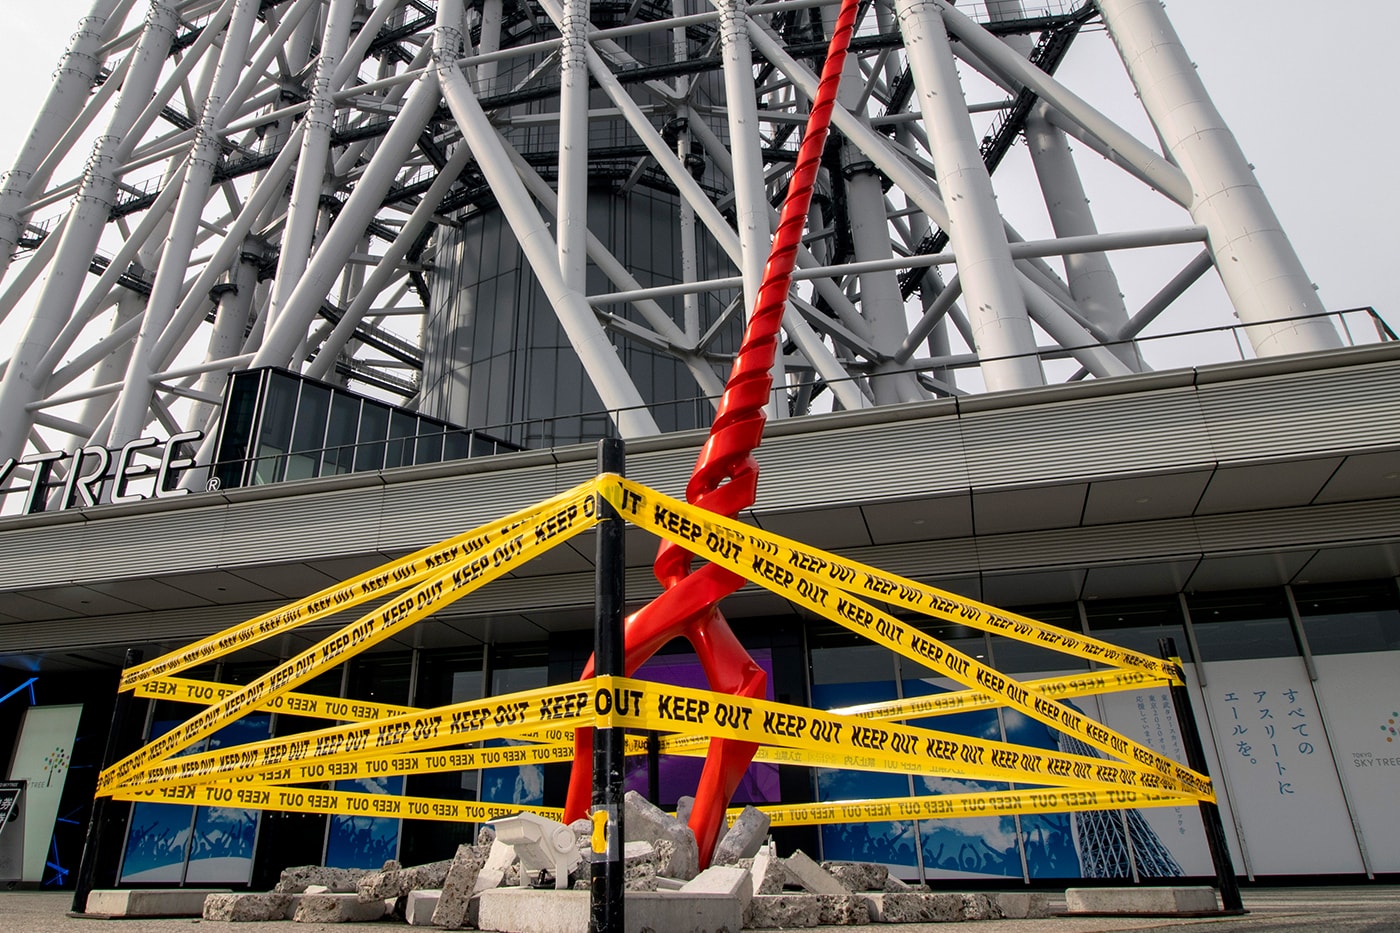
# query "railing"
(1201, 346)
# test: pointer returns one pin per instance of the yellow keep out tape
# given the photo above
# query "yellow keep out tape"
(412, 570)
(549, 714)
(856, 742)
(961, 806)
(346, 803)
(756, 556)
(382, 739)
(782, 564)
(310, 705)
(520, 543)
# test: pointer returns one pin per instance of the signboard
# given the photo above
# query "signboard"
(94, 475)
(1282, 779)
(12, 830)
(41, 757)
(1361, 695)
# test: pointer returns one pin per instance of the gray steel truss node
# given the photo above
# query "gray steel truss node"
(214, 185)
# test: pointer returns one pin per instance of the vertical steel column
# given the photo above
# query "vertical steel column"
(751, 208)
(1257, 264)
(586, 336)
(606, 906)
(881, 305)
(111, 752)
(1210, 813)
(1091, 279)
(131, 415)
(287, 328)
(490, 41)
(233, 306)
(572, 215)
(1001, 325)
(88, 216)
(310, 179)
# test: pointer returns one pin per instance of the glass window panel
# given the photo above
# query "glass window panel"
(340, 434)
(374, 428)
(1138, 623)
(1245, 624)
(402, 427)
(275, 436)
(848, 670)
(429, 446)
(236, 440)
(309, 434)
(383, 678)
(457, 446)
(1350, 618)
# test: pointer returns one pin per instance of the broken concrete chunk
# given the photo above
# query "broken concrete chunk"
(338, 908)
(842, 909)
(811, 876)
(420, 907)
(728, 880)
(744, 838)
(458, 886)
(768, 872)
(338, 880)
(499, 861)
(1022, 905)
(397, 882)
(646, 822)
(246, 907)
(782, 911)
(859, 876)
(914, 908)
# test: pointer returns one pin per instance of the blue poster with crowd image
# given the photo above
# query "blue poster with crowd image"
(174, 843)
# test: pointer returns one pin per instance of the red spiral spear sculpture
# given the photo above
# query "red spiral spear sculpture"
(725, 480)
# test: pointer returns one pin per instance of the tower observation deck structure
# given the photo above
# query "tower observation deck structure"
(549, 218)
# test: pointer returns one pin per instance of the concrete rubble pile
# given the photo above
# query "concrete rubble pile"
(511, 886)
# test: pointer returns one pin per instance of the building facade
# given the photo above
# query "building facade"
(338, 280)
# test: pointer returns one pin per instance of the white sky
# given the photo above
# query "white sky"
(1304, 85)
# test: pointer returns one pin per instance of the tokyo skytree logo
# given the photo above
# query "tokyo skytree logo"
(1389, 727)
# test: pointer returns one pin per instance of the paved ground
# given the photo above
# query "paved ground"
(1371, 909)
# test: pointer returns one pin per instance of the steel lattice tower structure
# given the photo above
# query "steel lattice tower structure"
(291, 183)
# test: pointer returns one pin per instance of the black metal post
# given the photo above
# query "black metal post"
(1210, 813)
(609, 751)
(87, 867)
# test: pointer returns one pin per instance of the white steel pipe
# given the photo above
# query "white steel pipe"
(751, 208)
(1089, 275)
(72, 82)
(88, 216)
(587, 337)
(130, 419)
(286, 329)
(310, 180)
(996, 308)
(388, 266)
(1257, 264)
(572, 216)
(1125, 149)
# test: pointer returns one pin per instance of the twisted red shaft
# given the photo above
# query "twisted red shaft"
(725, 480)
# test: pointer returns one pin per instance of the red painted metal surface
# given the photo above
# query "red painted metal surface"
(725, 480)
